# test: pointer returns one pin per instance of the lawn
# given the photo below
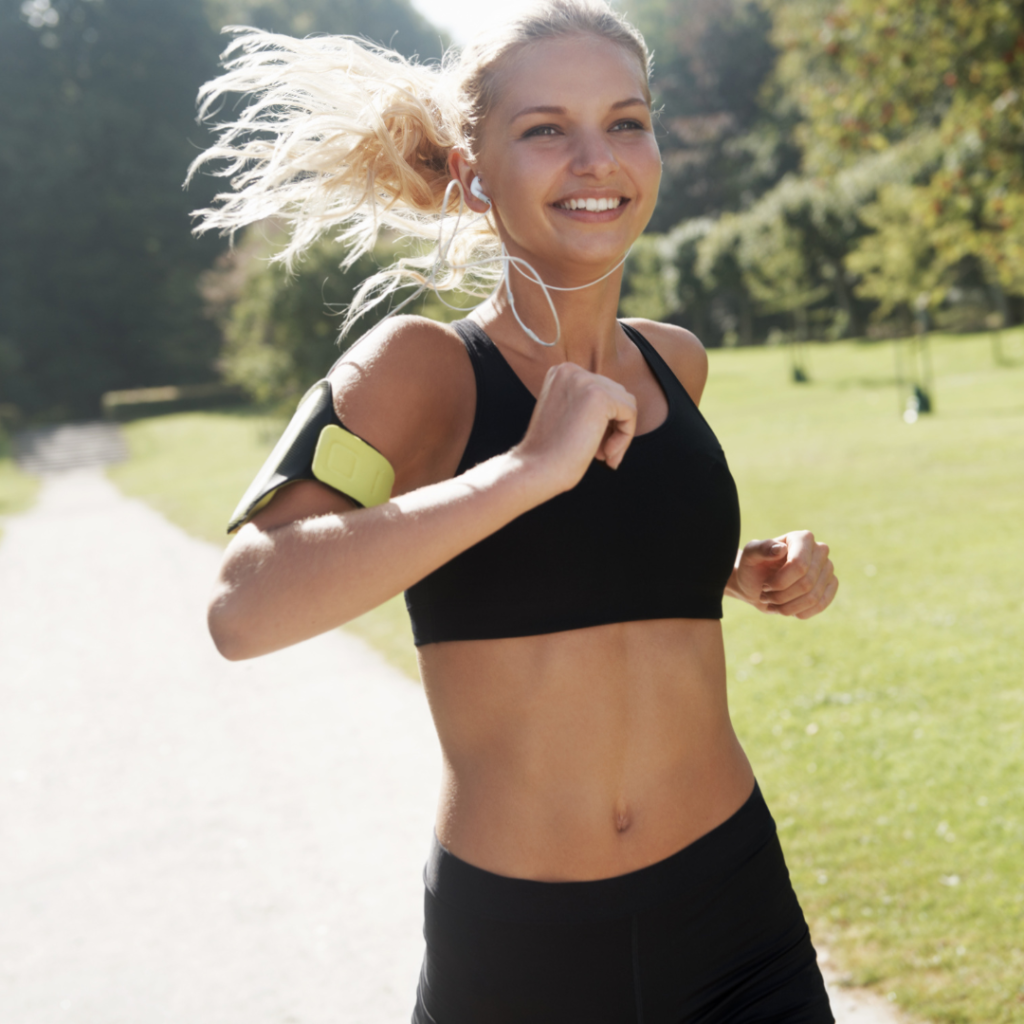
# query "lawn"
(17, 489)
(888, 734)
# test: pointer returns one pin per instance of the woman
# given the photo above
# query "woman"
(562, 520)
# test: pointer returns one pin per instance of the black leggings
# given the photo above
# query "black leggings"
(713, 933)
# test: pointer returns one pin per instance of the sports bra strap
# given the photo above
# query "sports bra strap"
(503, 402)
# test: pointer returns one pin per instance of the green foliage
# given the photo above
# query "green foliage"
(647, 281)
(97, 267)
(690, 297)
(897, 263)
(721, 149)
(790, 251)
(867, 74)
(785, 254)
(281, 329)
(912, 125)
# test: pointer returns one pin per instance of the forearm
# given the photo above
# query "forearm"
(287, 584)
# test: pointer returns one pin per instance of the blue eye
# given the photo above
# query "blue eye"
(541, 129)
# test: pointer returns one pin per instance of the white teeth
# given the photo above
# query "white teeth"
(594, 205)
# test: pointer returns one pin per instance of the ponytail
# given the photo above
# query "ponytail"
(338, 136)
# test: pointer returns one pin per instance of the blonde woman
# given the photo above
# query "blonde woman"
(561, 518)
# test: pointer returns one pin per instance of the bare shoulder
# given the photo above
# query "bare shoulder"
(681, 349)
(407, 387)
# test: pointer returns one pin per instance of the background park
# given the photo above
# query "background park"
(841, 222)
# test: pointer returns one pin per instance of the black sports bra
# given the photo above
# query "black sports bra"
(654, 539)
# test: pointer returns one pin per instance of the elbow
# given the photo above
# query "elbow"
(227, 629)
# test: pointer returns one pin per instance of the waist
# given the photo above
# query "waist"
(584, 754)
(689, 872)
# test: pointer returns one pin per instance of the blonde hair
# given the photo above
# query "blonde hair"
(342, 136)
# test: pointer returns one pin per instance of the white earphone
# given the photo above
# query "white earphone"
(478, 190)
(524, 268)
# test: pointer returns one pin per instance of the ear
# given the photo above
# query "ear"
(459, 166)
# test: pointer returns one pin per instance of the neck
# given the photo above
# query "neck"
(587, 329)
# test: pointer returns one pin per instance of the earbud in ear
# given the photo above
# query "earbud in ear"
(478, 190)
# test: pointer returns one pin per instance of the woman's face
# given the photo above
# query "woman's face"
(570, 130)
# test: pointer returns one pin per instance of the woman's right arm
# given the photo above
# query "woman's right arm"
(312, 560)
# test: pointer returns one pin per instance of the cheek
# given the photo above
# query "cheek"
(649, 163)
(525, 179)
(648, 178)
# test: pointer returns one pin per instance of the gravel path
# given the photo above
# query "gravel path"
(185, 840)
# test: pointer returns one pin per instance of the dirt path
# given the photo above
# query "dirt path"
(184, 840)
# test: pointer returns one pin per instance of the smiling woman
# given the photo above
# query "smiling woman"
(560, 515)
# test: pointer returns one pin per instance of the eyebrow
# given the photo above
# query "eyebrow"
(633, 101)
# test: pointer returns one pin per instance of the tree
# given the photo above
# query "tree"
(722, 146)
(897, 263)
(868, 74)
(647, 281)
(787, 254)
(281, 329)
(97, 267)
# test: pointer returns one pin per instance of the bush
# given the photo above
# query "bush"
(280, 329)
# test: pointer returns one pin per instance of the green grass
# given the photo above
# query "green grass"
(17, 490)
(887, 734)
(194, 466)
(387, 628)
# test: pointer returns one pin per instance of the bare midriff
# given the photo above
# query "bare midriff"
(584, 754)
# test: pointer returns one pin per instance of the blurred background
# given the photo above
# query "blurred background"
(832, 171)
(841, 222)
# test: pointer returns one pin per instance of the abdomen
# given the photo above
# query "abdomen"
(586, 753)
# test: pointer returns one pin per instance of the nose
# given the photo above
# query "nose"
(594, 155)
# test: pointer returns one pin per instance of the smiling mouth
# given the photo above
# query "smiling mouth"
(592, 205)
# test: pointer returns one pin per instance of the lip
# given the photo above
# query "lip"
(593, 216)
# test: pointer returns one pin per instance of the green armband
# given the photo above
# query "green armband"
(317, 446)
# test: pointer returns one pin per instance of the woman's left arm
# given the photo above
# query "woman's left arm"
(787, 575)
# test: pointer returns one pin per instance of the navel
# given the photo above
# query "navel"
(623, 819)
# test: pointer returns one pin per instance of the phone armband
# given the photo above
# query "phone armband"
(316, 445)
